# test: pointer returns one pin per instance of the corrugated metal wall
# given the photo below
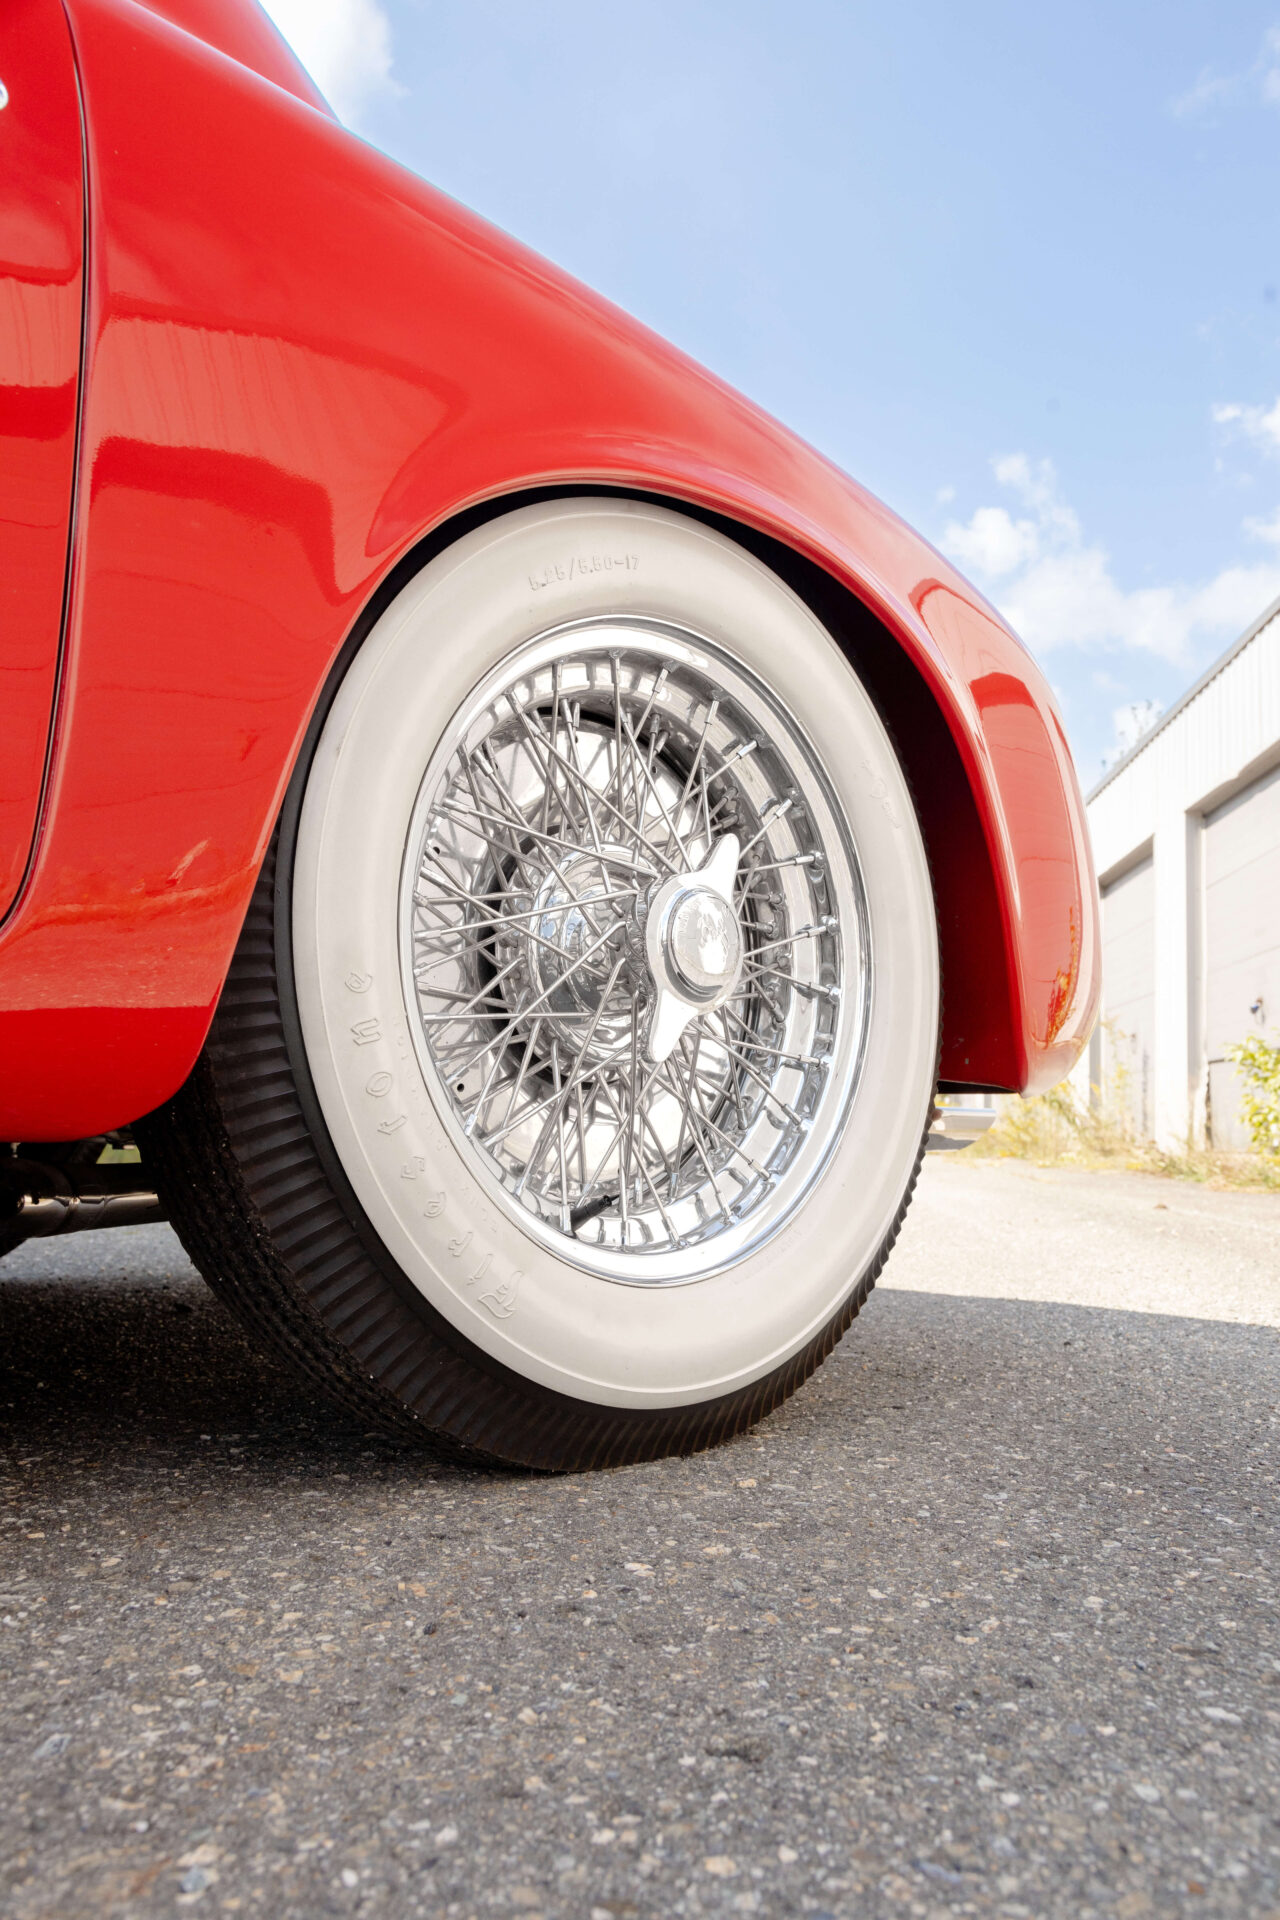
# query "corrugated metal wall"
(1192, 933)
(1229, 721)
(1241, 940)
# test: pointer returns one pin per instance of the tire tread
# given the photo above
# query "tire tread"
(246, 1190)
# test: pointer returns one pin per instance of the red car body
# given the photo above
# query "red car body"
(248, 366)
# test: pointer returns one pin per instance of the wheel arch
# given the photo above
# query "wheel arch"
(981, 1024)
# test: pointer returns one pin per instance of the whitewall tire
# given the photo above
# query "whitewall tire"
(577, 1059)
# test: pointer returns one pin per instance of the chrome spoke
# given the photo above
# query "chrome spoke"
(598, 814)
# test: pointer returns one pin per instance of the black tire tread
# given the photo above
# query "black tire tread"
(247, 1190)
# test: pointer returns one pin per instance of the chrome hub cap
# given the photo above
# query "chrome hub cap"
(635, 950)
(580, 948)
(703, 947)
(694, 945)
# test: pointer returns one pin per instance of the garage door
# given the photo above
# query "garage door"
(1128, 993)
(1242, 940)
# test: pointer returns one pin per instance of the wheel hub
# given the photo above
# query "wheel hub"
(693, 943)
(591, 959)
(702, 947)
(575, 933)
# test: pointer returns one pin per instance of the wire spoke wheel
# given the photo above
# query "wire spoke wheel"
(655, 1097)
(571, 1079)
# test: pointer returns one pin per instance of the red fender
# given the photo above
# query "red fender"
(301, 360)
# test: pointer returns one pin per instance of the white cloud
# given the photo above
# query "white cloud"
(1259, 424)
(993, 543)
(1212, 89)
(345, 45)
(1269, 66)
(1057, 589)
(1199, 100)
(1268, 530)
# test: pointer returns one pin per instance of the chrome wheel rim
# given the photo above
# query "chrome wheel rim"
(635, 949)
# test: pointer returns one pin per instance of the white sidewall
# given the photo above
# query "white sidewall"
(546, 1319)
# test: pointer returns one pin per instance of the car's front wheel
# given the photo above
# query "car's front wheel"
(571, 1077)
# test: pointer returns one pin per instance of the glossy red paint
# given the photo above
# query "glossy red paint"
(301, 360)
(240, 29)
(41, 244)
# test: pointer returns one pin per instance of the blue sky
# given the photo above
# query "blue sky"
(1017, 268)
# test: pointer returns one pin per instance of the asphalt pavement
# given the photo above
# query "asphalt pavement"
(982, 1622)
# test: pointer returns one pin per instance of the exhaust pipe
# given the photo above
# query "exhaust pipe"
(83, 1212)
(72, 1191)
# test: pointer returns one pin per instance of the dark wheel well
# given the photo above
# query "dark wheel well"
(978, 1018)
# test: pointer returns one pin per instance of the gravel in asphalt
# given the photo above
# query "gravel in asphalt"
(982, 1622)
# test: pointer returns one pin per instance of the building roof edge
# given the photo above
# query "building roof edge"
(1184, 700)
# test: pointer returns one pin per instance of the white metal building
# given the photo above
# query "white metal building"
(1186, 834)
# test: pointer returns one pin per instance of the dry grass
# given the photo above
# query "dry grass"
(1055, 1130)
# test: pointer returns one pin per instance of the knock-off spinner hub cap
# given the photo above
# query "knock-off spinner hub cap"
(703, 943)
(634, 949)
(694, 946)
